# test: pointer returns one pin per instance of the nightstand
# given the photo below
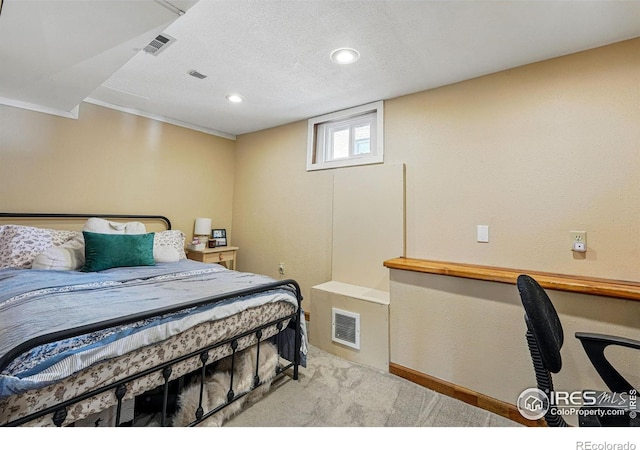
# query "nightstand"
(218, 255)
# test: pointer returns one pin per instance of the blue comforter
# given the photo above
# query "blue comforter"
(36, 302)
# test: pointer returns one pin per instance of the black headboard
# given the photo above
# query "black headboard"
(163, 219)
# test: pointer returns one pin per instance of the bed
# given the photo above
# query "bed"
(78, 338)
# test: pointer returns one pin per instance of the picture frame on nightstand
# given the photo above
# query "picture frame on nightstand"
(220, 236)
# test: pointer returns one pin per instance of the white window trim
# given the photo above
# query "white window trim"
(376, 156)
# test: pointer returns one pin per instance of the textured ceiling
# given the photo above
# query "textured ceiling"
(276, 53)
(55, 53)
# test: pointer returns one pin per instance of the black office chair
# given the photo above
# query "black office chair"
(545, 338)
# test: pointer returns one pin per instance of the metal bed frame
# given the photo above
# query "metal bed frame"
(59, 411)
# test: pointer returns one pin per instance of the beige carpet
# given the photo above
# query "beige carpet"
(333, 392)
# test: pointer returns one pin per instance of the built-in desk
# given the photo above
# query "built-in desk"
(628, 290)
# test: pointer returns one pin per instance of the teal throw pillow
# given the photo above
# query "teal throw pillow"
(105, 251)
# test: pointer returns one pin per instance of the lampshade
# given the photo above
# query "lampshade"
(203, 226)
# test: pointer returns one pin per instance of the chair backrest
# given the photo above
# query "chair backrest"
(544, 338)
(543, 321)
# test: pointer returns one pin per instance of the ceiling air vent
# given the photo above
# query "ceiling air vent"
(195, 73)
(345, 328)
(160, 42)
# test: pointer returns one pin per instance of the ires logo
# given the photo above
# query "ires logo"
(534, 403)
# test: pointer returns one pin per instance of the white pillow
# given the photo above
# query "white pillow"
(165, 253)
(97, 225)
(68, 256)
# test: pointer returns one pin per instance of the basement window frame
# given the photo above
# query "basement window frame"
(320, 136)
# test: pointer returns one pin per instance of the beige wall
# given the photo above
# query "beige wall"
(282, 213)
(368, 224)
(115, 163)
(533, 152)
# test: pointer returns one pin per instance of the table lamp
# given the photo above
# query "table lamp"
(201, 232)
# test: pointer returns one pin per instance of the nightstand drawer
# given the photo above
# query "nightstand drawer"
(219, 257)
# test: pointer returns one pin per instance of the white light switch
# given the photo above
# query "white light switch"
(483, 233)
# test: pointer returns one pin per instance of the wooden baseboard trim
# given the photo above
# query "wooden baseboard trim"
(466, 395)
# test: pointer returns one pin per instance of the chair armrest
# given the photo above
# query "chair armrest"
(594, 345)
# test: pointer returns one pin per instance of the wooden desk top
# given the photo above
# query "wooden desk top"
(628, 290)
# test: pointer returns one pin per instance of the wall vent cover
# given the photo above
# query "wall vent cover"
(345, 328)
(159, 44)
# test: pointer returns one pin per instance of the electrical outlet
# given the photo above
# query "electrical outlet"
(281, 268)
(579, 241)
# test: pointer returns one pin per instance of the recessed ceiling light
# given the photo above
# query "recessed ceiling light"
(234, 98)
(344, 56)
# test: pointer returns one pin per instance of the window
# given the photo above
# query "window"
(346, 138)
